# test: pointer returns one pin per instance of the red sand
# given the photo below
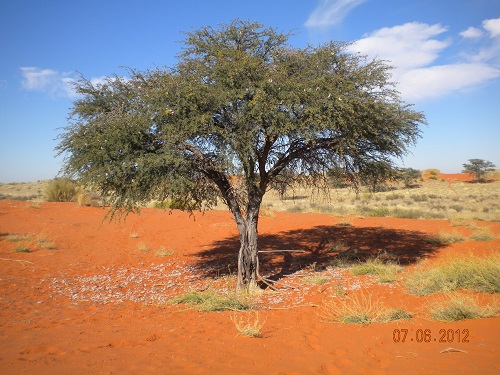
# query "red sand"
(95, 304)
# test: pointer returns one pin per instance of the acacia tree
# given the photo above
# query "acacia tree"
(478, 168)
(241, 112)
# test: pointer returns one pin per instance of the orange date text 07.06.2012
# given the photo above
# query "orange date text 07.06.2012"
(402, 335)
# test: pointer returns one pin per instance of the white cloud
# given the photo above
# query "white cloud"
(331, 12)
(439, 80)
(471, 32)
(48, 81)
(413, 49)
(492, 26)
(53, 82)
(406, 46)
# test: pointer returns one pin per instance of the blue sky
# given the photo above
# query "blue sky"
(446, 54)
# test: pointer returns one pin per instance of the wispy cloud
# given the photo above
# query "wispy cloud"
(48, 81)
(331, 12)
(415, 48)
(52, 82)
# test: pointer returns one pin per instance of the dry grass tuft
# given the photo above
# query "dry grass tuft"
(479, 274)
(359, 308)
(445, 238)
(251, 326)
(459, 307)
(210, 300)
(386, 271)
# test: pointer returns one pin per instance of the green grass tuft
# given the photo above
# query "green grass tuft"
(386, 272)
(212, 301)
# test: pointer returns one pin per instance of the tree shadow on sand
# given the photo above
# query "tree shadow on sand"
(320, 246)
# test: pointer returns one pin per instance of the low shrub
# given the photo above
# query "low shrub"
(61, 190)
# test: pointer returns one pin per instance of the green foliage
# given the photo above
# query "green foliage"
(376, 175)
(240, 113)
(174, 204)
(238, 98)
(478, 168)
(61, 190)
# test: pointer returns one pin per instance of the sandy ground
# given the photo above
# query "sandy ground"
(90, 296)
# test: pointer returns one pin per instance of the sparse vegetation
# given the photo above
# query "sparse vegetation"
(396, 314)
(445, 238)
(344, 224)
(359, 308)
(460, 307)
(142, 248)
(483, 235)
(479, 274)
(316, 279)
(210, 300)
(29, 242)
(22, 247)
(251, 326)
(162, 252)
(386, 271)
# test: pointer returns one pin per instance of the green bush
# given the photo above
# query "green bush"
(61, 190)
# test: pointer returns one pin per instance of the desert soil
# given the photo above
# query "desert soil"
(91, 297)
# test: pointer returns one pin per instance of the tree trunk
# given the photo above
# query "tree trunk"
(248, 259)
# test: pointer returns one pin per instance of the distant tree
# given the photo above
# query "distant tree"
(376, 175)
(409, 176)
(241, 112)
(478, 168)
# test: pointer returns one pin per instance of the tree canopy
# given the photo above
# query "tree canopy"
(242, 112)
(478, 168)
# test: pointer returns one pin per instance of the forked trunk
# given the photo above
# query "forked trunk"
(248, 259)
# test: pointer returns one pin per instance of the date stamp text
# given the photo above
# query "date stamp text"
(402, 335)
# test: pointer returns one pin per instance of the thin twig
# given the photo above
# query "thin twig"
(452, 350)
(292, 307)
(281, 251)
(266, 281)
(17, 260)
